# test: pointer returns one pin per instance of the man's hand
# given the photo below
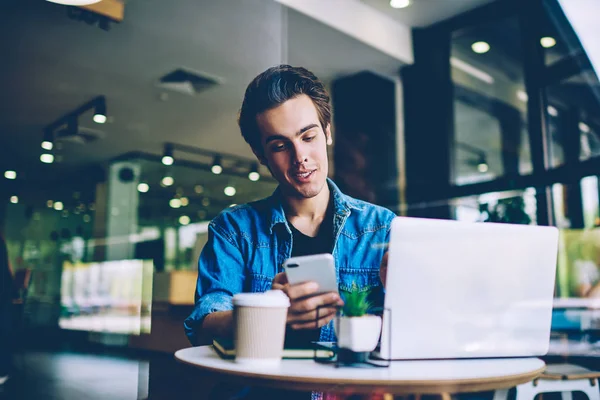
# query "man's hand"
(383, 268)
(303, 309)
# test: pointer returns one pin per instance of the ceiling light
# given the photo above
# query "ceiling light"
(229, 191)
(205, 202)
(216, 167)
(184, 220)
(548, 42)
(583, 127)
(14, 199)
(100, 111)
(47, 142)
(75, 2)
(58, 205)
(253, 175)
(482, 166)
(199, 189)
(399, 3)
(521, 95)
(49, 203)
(10, 174)
(143, 187)
(480, 47)
(168, 155)
(167, 181)
(552, 111)
(47, 158)
(175, 203)
(184, 201)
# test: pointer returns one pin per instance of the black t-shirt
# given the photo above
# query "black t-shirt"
(303, 245)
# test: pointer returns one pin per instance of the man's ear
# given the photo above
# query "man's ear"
(328, 135)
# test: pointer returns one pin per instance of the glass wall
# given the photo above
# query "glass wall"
(490, 114)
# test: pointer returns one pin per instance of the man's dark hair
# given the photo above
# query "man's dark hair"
(274, 87)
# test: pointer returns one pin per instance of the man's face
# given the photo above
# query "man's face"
(295, 146)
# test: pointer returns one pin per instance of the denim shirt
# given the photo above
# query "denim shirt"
(247, 245)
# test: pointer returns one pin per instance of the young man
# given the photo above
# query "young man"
(286, 119)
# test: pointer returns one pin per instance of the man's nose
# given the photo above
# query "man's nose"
(300, 155)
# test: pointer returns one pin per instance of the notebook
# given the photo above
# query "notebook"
(226, 349)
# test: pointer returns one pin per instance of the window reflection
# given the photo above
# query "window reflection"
(489, 103)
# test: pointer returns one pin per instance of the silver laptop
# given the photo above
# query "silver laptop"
(468, 290)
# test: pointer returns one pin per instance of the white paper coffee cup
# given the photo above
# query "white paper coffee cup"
(259, 326)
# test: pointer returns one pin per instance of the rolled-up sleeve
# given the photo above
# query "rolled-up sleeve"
(220, 276)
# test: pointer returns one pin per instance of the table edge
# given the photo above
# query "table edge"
(367, 386)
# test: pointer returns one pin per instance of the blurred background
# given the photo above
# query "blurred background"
(119, 143)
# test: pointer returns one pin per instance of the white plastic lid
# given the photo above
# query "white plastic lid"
(271, 298)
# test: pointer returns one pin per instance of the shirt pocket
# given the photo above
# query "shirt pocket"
(258, 283)
(359, 279)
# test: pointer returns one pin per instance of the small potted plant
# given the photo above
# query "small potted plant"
(356, 330)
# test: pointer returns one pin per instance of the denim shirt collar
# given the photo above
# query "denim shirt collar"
(342, 205)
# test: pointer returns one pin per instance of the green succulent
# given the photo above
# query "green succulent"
(355, 302)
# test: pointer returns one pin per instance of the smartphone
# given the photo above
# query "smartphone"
(319, 268)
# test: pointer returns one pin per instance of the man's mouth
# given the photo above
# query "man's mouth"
(303, 174)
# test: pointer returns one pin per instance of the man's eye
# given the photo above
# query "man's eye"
(309, 139)
(278, 147)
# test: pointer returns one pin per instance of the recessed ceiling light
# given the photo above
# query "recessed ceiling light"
(216, 169)
(229, 191)
(184, 201)
(175, 203)
(47, 158)
(480, 47)
(99, 118)
(10, 174)
(548, 42)
(143, 187)
(58, 205)
(184, 220)
(399, 3)
(47, 145)
(167, 181)
(14, 199)
(167, 160)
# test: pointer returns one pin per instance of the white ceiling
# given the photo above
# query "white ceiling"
(422, 13)
(53, 64)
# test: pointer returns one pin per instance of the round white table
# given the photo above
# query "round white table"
(401, 377)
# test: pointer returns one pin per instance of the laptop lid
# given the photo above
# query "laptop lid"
(468, 290)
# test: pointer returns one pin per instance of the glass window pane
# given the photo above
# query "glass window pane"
(589, 193)
(573, 90)
(490, 103)
(514, 206)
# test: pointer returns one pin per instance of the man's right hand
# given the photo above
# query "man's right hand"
(303, 309)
